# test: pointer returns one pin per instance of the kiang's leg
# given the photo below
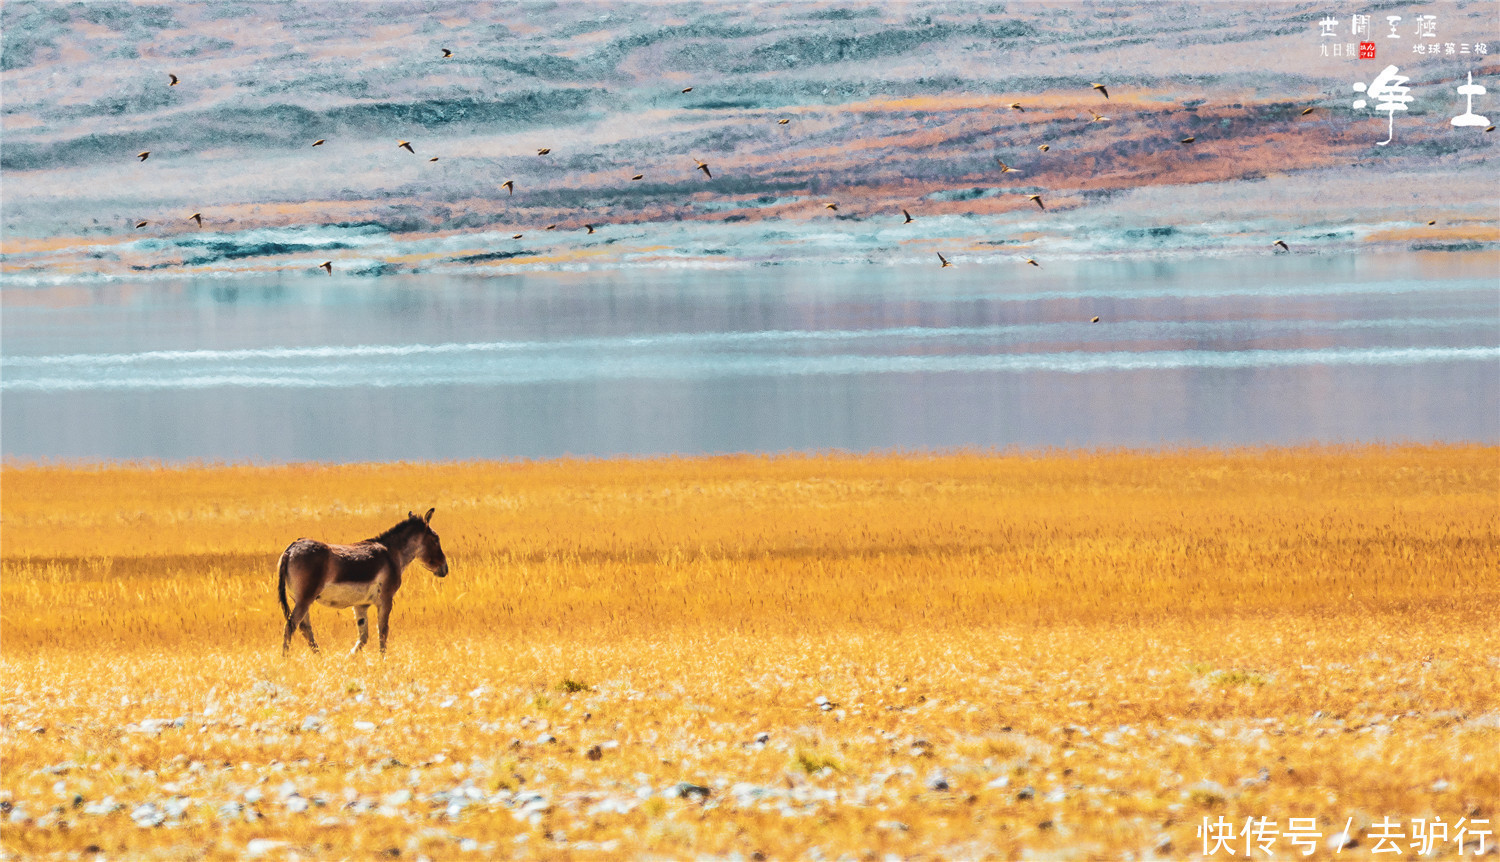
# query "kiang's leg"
(383, 619)
(297, 619)
(362, 620)
(306, 627)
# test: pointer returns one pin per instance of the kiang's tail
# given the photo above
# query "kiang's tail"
(286, 609)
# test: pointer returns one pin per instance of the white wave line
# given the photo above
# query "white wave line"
(561, 370)
(1132, 328)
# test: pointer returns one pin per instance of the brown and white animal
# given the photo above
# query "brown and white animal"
(354, 576)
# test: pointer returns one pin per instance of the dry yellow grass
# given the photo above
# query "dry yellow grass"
(1070, 655)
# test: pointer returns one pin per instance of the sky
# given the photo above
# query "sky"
(888, 107)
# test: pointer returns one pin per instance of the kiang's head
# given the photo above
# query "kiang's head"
(429, 548)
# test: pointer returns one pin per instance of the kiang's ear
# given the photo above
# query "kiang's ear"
(410, 513)
(427, 518)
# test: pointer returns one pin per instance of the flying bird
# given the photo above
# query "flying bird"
(687, 89)
(174, 79)
(551, 227)
(433, 159)
(590, 227)
(143, 155)
(141, 224)
(834, 207)
(782, 122)
(1098, 118)
(328, 266)
(1045, 147)
(199, 217)
(1095, 320)
(406, 145)
(638, 177)
(1037, 198)
(1189, 139)
(509, 186)
(1282, 244)
(704, 168)
(1100, 88)
(544, 151)
(1006, 169)
(909, 219)
(1491, 128)
(1431, 223)
(318, 142)
(1016, 106)
(1032, 262)
(447, 53)
(517, 236)
(1306, 111)
(943, 259)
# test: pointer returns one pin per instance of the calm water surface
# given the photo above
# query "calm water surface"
(1280, 349)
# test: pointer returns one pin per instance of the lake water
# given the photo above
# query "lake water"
(1272, 349)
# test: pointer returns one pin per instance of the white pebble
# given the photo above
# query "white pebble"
(261, 846)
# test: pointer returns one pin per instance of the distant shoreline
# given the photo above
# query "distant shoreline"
(14, 466)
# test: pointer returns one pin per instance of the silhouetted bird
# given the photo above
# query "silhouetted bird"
(943, 259)
(1490, 129)
(174, 79)
(447, 53)
(199, 217)
(1006, 169)
(328, 266)
(1037, 198)
(1098, 118)
(833, 207)
(1307, 111)
(1032, 262)
(909, 219)
(141, 224)
(782, 122)
(509, 186)
(1045, 147)
(687, 89)
(1431, 223)
(544, 151)
(638, 177)
(1282, 244)
(318, 142)
(1016, 106)
(406, 145)
(1100, 88)
(704, 168)
(517, 236)
(551, 227)
(1095, 320)
(433, 159)
(590, 227)
(1189, 139)
(143, 155)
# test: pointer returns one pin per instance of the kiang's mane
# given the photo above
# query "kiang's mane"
(397, 534)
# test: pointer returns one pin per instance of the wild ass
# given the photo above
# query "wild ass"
(354, 576)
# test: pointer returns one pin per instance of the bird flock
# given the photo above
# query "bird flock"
(509, 185)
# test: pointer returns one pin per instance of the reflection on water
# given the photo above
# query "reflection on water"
(1273, 350)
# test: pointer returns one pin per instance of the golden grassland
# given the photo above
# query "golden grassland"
(1062, 655)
